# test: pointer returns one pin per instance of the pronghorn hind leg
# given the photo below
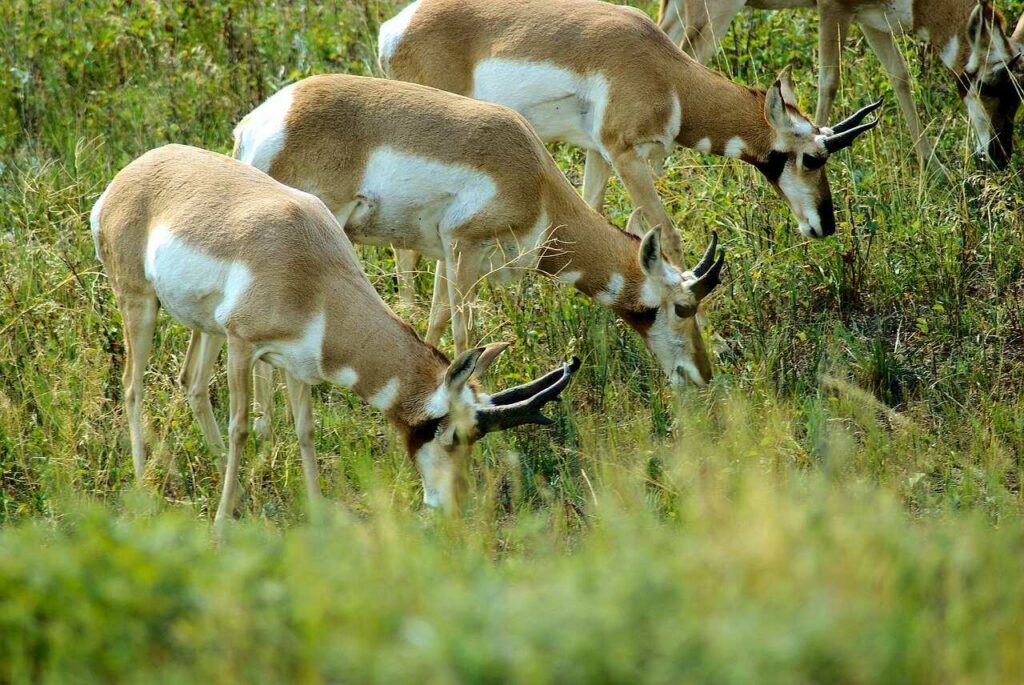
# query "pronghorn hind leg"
(199, 372)
(240, 361)
(706, 23)
(596, 173)
(300, 399)
(185, 375)
(440, 307)
(636, 176)
(263, 400)
(462, 266)
(884, 46)
(138, 314)
(407, 263)
(833, 27)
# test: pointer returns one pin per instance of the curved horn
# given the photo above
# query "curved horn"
(857, 117)
(526, 390)
(711, 278)
(503, 417)
(841, 141)
(709, 257)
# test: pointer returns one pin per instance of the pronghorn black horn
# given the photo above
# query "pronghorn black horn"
(857, 117)
(527, 410)
(841, 141)
(709, 257)
(526, 390)
(709, 279)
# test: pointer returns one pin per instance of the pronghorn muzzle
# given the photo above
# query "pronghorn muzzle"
(522, 404)
(846, 131)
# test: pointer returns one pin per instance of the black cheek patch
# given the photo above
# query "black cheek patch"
(827, 215)
(773, 167)
(640, 320)
(420, 434)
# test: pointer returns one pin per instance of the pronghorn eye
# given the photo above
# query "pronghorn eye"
(685, 311)
(812, 162)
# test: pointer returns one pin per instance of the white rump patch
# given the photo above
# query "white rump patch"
(390, 35)
(385, 397)
(612, 291)
(561, 105)
(198, 290)
(260, 136)
(94, 221)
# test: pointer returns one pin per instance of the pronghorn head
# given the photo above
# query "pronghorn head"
(461, 413)
(796, 165)
(992, 82)
(673, 327)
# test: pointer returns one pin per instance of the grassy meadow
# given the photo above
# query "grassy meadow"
(842, 505)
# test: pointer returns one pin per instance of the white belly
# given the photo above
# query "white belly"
(414, 201)
(891, 16)
(195, 288)
(560, 105)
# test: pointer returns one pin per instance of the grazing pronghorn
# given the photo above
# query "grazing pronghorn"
(963, 33)
(231, 253)
(469, 183)
(604, 77)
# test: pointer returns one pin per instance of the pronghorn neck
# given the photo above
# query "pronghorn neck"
(597, 258)
(943, 23)
(382, 360)
(726, 119)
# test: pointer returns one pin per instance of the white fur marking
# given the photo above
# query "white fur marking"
(801, 201)
(703, 145)
(385, 395)
(735, 147)
(391, 33)
(94, 221)
(437, 403)
(612, 291)
(260, 136)
(950, 52)
(346, 376)
(569, 277)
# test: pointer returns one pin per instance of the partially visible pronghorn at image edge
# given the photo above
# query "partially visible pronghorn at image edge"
(604, 77)
(238, 257)
(968, 36)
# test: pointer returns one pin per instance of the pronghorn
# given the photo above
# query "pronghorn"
(469, 183)
(604, 77)
(231, 253)
(954, 29)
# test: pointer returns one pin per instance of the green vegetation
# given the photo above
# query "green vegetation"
(843, 505)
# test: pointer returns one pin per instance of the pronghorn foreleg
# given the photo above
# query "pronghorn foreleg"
(832, 31)
(596, 173)
(462, 267)
(706, 23)
(884, 46)
(240, 361)
(300, 399)
(440, 306)
(138, 314)
(196, 377)
(406, 263)
(636, 176)
(186, 373)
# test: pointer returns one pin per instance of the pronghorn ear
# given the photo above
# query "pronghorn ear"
(635, 225)
(786, 87)
(987, 34)
(650, 253)
(490, 353)
(461, 369)
(775, 108)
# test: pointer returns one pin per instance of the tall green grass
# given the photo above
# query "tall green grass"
(843, 505)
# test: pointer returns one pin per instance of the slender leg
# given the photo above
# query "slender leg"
(635, 175)
(186, 374)
(889, 55)
(706, 22)
(440, 308)
(832, 30)
(263, 400)
(300, 399)
(239, 369)
(407, 262)
(595, 179)
(462, 266)
(671, 19)
(138, 314)
(196, 377)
